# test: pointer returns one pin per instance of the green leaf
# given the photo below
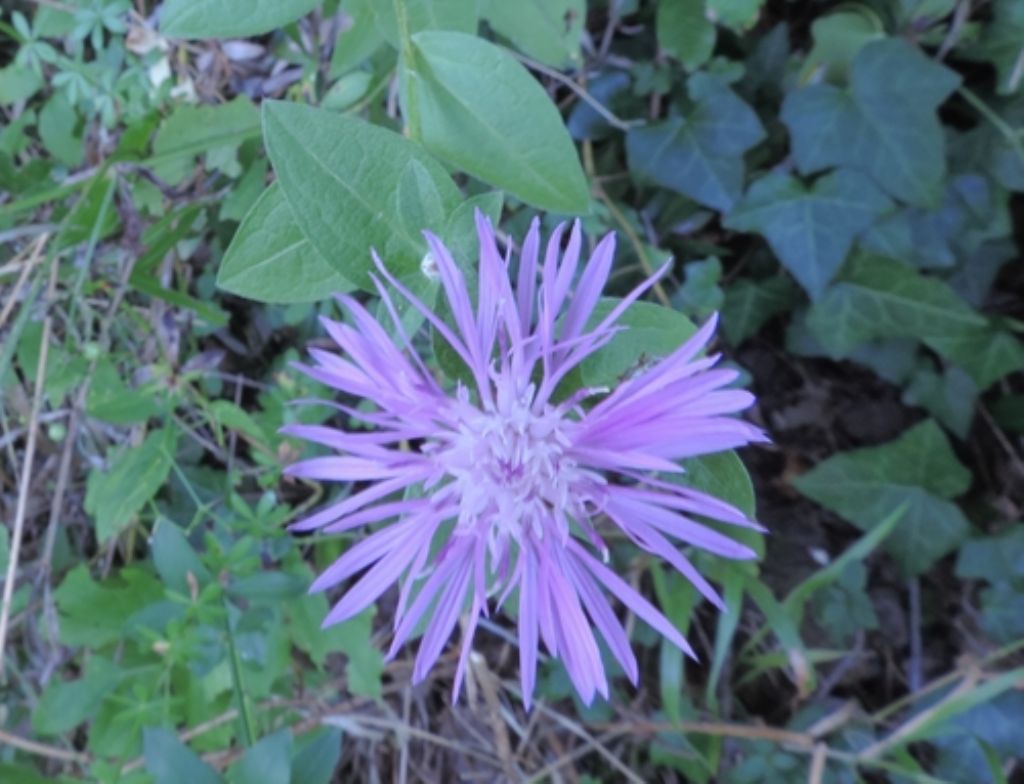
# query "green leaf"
(96, 614)
(724, 476)
(470, 103)
(737, 14)
(749, 304)
(993, 558)
(174, 557)
(838, 36)
(115, 496)
(877, 297)
(169, 761)
(229, 18)
(699, 295)
(811, 229)
(880, 298)
(948, 396)
(884, 125)
(652, 331)
(546, 30)
(919, 470)
(270, 259)
(267, 762)
(685, 32)
(457, 15)
(64, 705)
(57, 121)
(216, 131)
(1001, 43)
(340, 176)
(315, 762)
(699, 155)
(986, 352)
(111, 400)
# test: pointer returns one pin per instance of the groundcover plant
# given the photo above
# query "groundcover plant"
(488, 322)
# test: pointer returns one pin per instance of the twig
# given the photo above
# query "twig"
(914, 666)
(596, 105)
(631, 235)
(818, 759)
(29, 266)
(42, 750)
(26, 475)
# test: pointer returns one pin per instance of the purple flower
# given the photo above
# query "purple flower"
(502, 487)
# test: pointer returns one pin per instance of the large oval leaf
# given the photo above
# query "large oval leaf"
(352, 186)
(270, 259)
(229, 18)
(473, 105)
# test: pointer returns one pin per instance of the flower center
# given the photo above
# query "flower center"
(511, 472)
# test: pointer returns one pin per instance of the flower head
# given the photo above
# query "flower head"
(503, 486)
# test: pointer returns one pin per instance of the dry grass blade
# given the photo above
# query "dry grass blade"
(21, 509)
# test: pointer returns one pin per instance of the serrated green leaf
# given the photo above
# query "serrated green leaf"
(169, 761)
(546, 30)
(919, 470)
(229, 18)
(470, 103)
(811, 229)
(215, 131)
(64, 705)
(96, 614)
(113, 497)
(884, 125)
(699, 155)
(270, 259)
(685, 32)
(340, 176)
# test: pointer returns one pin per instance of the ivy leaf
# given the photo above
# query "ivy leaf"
(749, 304)
(918, 471)
(685, 32)
(880, 298)
(884, 125)
(811, 229)
(699, 155)
(470, 103)
(270, 259)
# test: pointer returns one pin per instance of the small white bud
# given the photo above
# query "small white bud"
(428, 266)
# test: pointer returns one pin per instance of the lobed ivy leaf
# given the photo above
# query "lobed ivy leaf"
(918, 470)
(883, 125)
(470, 103)
(811, 229)
(749, 304)
(881, 298)
(699, 155)
(685, 32)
